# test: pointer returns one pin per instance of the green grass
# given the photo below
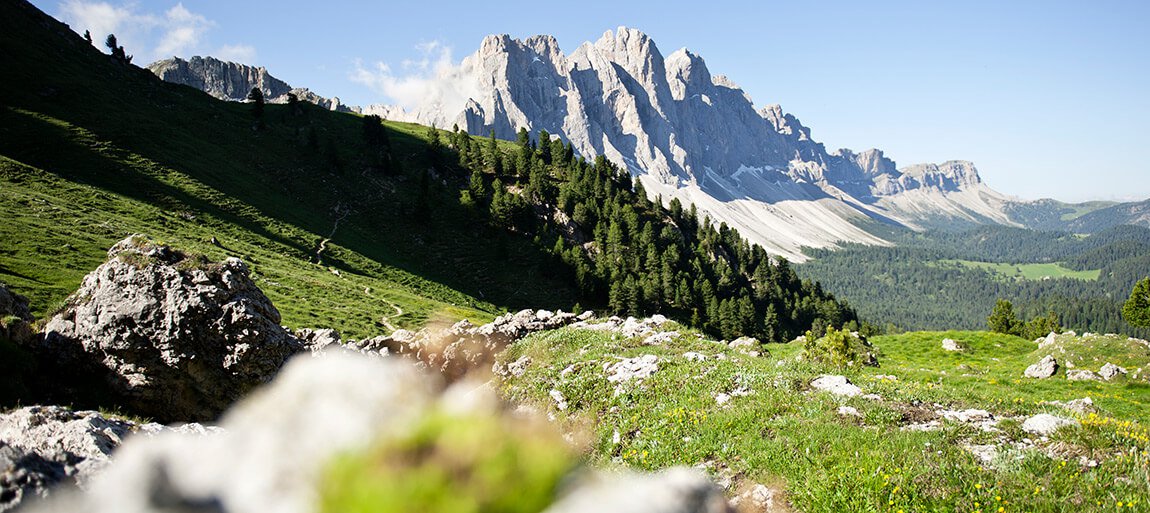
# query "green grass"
(1080, 209)
(92, 151)
(1028, 271)
(785, 435)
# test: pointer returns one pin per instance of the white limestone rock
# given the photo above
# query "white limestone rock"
(1045, 368)
(837, 385)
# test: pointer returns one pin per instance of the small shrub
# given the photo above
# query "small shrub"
(840, 348)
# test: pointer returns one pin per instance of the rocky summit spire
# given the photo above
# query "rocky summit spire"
(692, 135)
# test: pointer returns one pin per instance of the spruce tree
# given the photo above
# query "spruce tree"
(1003, 320)
(1136, 310)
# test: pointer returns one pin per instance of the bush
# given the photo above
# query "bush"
(840, 348)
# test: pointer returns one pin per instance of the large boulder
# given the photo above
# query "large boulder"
(13, 304)
(175, 337)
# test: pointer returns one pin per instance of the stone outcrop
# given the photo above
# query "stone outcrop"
(465, 347)
(13, 304)
(1111, 371)
(949, 344)
(837, 385)
(1045, 368)
(233, 81)
(175, 337)
(42, 446)
(1045, 424)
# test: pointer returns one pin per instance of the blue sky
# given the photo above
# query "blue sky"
(1047, 98)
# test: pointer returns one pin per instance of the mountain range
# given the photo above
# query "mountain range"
(689, 134)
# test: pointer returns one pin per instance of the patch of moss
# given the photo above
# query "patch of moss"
(451, 463)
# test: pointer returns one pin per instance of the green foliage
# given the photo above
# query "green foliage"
(256, 96)
(953, 279)
(1003, 320)
(452, 463)
(1136, 310)
(1041, 326)
(785, 437)
(83, 170)
(839, 348)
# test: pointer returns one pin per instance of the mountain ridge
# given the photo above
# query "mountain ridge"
(698, 137)
(689, 134)
(232, 81)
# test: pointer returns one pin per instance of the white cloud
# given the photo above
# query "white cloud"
(182, 30)
(243, 54)
(149, 35)
(434, 80)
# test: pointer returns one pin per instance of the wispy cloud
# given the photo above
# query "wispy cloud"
(148, 34)
(433, 79)
(244, 54)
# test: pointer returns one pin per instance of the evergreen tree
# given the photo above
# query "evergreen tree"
(422, 210)
(88, 37)
(478, 186)
(1003, 320)
(1041, 326)
(1136, 310)
(117, 50)
(256, 96)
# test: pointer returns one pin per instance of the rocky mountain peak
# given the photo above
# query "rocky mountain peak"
(232, 81)
(695, 136)
(686, 74)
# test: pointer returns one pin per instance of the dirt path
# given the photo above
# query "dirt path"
(385, 320)
(341, 212)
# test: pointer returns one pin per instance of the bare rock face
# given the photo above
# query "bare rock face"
(177, 339)
(696, 136)
(233, 81)
(13, 304)
(1043, 369)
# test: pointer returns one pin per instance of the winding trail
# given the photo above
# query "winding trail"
(342, 214)
(385, 320)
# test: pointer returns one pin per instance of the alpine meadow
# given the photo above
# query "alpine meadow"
(532, 279)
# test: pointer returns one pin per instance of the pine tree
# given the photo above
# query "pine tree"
(1003, 320)
(478, 186)
(256, 96)
(1136, 310)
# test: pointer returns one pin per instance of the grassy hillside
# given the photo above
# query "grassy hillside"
(92, 150)
(347, 224)
(772, 428)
